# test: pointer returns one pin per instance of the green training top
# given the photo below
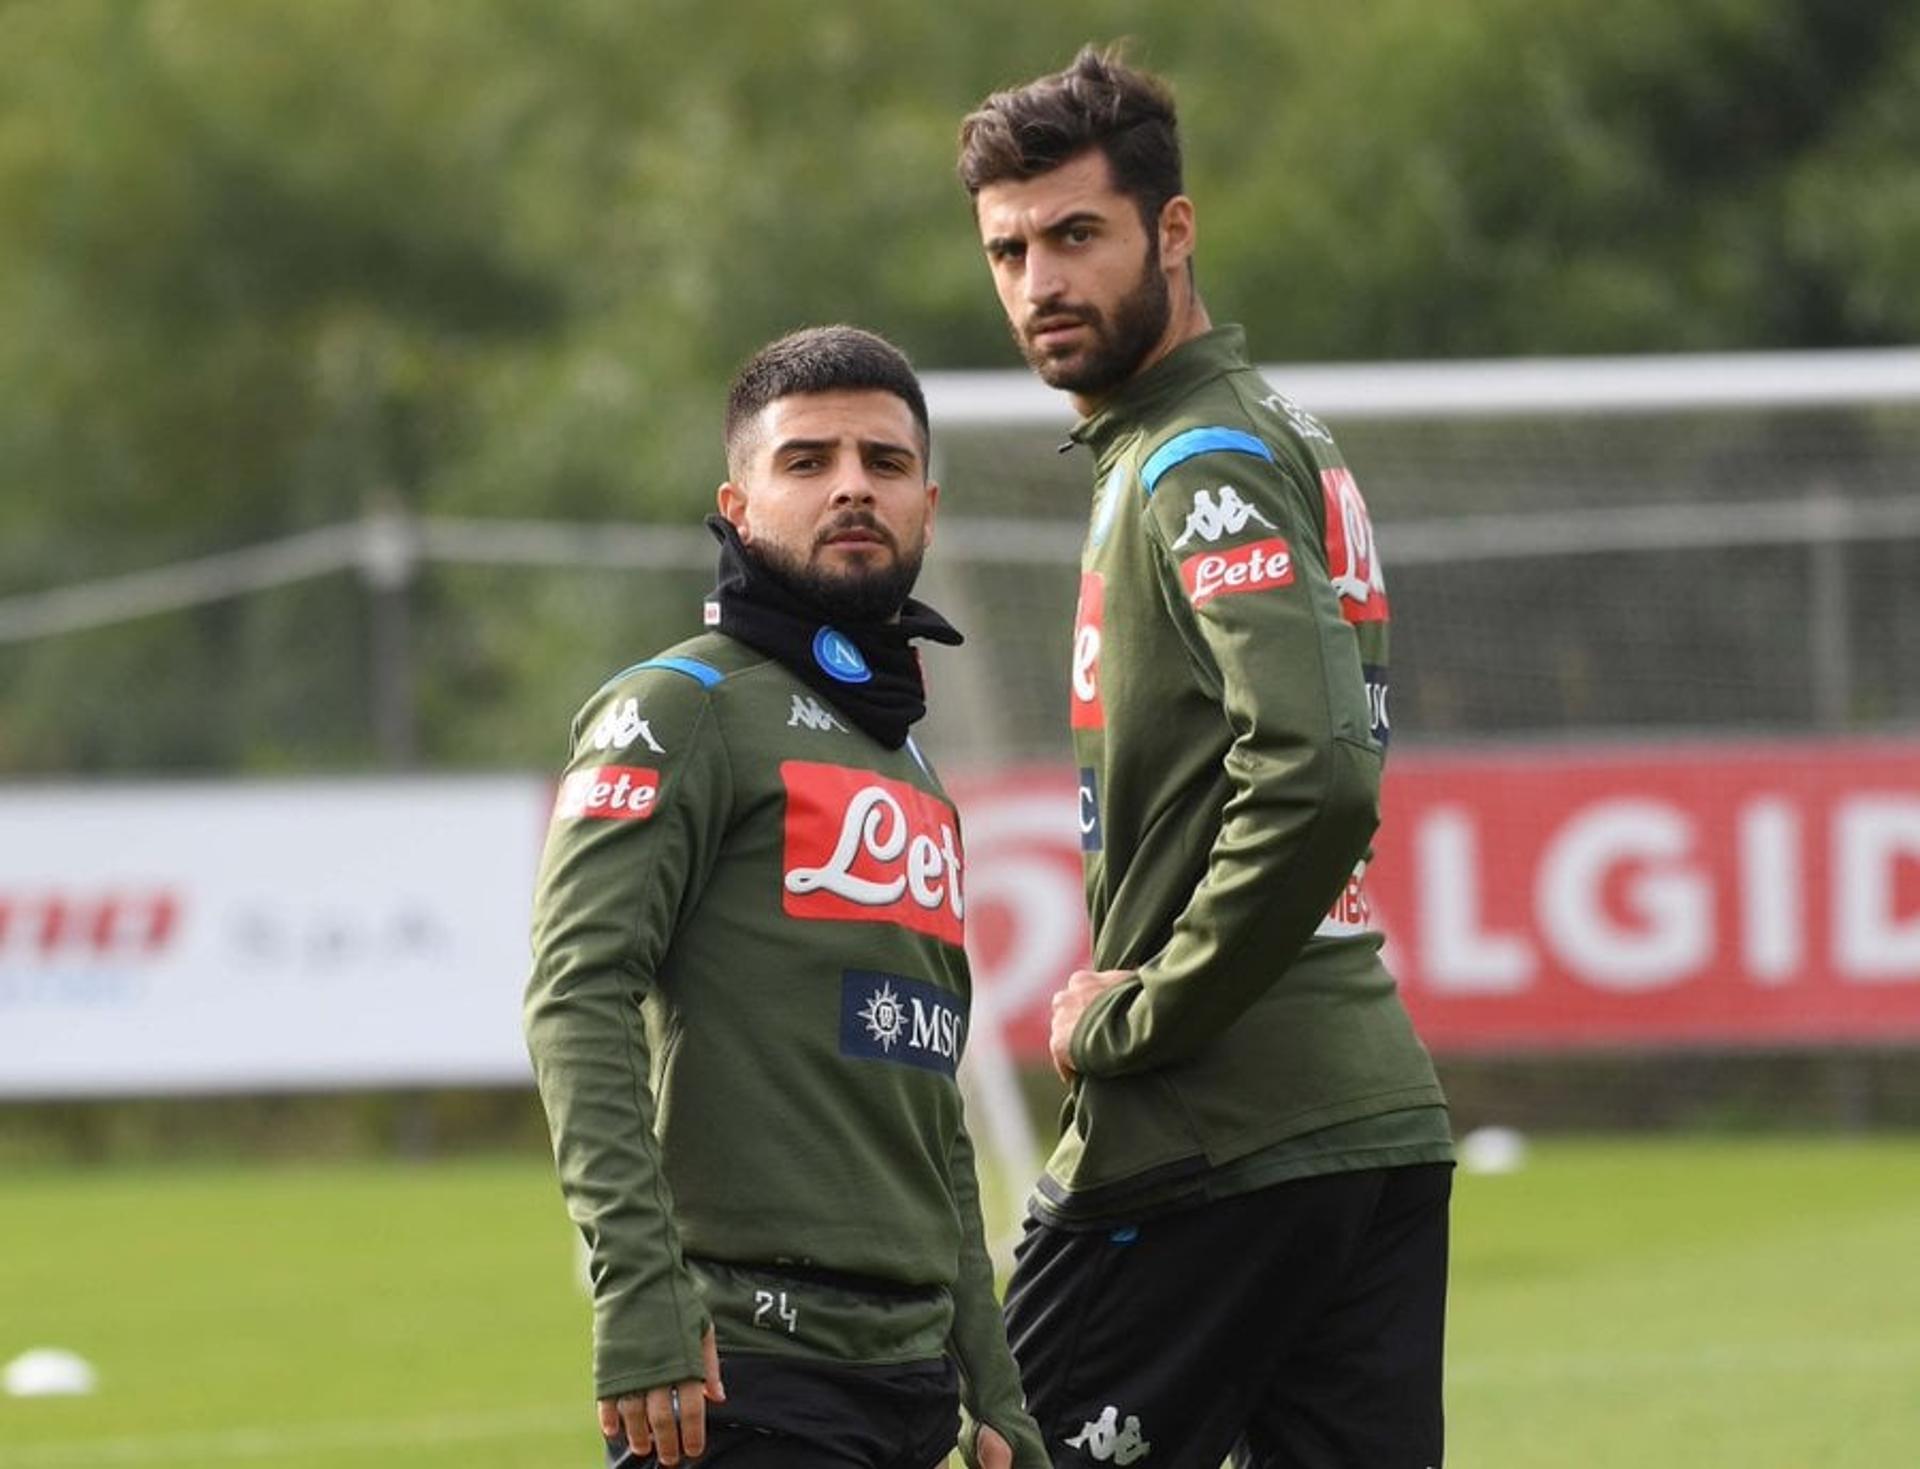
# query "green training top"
(747, 1004)
(1229, 714)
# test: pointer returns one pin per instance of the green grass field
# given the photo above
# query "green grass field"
(1616, 1305)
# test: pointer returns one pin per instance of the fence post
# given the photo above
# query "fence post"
(389, 561)
(1829, 633)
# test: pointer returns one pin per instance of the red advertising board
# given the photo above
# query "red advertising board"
(1766, 894)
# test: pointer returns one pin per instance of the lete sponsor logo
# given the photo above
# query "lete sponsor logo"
(862, 848)
(609, 793)
(1352, 558)
(1086, 711)
(1254, 567)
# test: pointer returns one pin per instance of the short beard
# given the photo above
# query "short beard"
(848, 597)
(1119, 346)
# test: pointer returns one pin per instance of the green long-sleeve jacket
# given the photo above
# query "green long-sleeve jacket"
(1229, 718)
(747, 1004)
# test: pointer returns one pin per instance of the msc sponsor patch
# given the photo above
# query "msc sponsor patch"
(1254, 567)
(609, 793)
(1379, 720)
(887, 1017)
(1089, 811)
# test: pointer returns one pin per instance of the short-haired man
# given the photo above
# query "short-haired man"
(749, 994)
(1240, 1243)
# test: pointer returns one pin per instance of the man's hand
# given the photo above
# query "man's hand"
(1083, 987)
(668, 1420)
(992, 1451)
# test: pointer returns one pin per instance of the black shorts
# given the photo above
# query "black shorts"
(787, 1411)
(1300, 1326)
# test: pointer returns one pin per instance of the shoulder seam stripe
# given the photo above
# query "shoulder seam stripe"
(704, 674)
(1196, 441)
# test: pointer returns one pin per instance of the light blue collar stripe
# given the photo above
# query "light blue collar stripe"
(704, 674)
(1196, 441)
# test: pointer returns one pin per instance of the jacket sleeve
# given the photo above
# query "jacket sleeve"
(990, 1382)
(1239, 552)
(634, 831)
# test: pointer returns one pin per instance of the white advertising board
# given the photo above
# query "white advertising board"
(273, 935)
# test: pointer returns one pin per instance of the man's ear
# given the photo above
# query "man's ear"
(733, 507)
(1177, 236)
(933, 506)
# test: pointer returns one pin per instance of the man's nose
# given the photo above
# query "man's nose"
(1043, 280)
(853, 486)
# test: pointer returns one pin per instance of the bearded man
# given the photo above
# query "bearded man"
(1240, 1243)
(749, 993)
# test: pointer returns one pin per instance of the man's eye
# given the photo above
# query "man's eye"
(1079, 234)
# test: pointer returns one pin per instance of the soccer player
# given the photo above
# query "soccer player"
(749, 994)
(1240, 1243)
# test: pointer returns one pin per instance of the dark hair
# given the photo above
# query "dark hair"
(821, 359)
(1097, 102)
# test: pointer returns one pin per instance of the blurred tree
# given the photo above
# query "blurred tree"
(265, 264)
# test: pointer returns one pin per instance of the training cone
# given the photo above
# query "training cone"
(47, 1372)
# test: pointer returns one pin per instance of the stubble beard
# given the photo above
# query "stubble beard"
(857, 594)
(1119, 345)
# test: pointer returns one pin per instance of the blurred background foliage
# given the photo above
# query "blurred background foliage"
(266, 265)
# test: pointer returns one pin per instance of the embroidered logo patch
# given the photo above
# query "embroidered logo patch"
(1086, 711)
(609, 793)
(837, 656)
(1254, 567)
(810, 713)
(1089, 811)
(1352, 558)
(887, 1017)
(865, 849)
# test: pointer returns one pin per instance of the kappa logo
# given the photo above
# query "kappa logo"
(621, 726)
(1108, 1441)
(865, 849)
(1210, 519)
(812, 714)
